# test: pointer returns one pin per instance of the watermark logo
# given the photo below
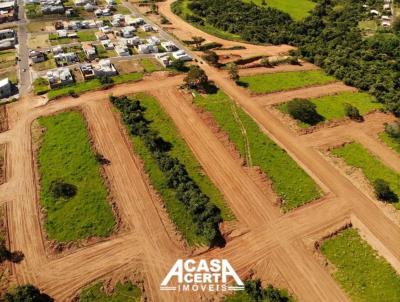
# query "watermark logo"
(202, 275)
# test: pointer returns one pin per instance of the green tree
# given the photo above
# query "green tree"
(26, 293)
(304, 110)
(211, 57)
(233, 71)
(352, 112)
(197, 41)
(383, 191)
(196, 78)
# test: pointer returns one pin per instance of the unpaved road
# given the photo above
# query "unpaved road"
(280, 68)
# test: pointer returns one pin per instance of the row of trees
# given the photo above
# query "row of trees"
(205, 215)
(329, 37)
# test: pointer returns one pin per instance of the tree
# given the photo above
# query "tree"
(304, 110)
(154, 8)
(196, 78)
(352, 112)
(211, 57)
(393, 130)
(105, 80)
(26, 293)
(178, 65)
(233, 71)
(383, 191)
(61, 189)
(198, 41)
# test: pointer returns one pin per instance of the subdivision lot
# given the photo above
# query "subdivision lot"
(7, 58)
(290, 182)
(39, 41)
(66, 155)
(297, 9)
(359, 269)
(355, 155)
(150, 65)
(331, 107)
(267, 83)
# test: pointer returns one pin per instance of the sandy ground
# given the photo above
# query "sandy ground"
(275, 247)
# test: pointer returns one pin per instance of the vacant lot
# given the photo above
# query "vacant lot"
(86, 35)
(363, 274)
(7, 58)
(9, 73)
(272, 82)
(39, 41)
(50, 63)
(150, 65)
(355, 155)
(122, 292)
(290, 182)
(392, 143)
(297, 9)
(65, 154)
(332, 107)
(128, 66)
(162, 123)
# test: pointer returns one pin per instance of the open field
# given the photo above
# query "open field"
(39, 41)
(392, 143)
(297, 9)
(355, 155)
(50, 63)
(128, 66)
(290, 182)
(121, 293)
(7, 58)
(150, 65)
(65, 154)
(363, 274)
(86, 35)
(162, 123)
(331, 107)
(267, 83)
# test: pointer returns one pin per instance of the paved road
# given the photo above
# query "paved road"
(23, 52)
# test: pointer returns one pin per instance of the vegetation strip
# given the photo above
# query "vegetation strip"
(273, 82)
(355, 155)
(290, 182)
(72, 191)
(121, 293)
(363, 274)
(192, 201)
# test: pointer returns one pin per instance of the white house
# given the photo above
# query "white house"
(105, 68)
(107, 44)
(146, 27)
(128, 31)
(147, 48)
(59, 77)
(57, 49)
(122, 50)
(36, 56)
(89, 50)
(169, 46)
(106, 29)
(164, 59)
(181, 55)
(130, 42)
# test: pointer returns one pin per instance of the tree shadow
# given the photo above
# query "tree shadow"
(242, 84)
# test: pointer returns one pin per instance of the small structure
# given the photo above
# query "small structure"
(130, 42)
(89, 50)
(87, 71)
(100, 36)
(8, 38)
(59, 77)
(153, 40)
(181, 55)
(58, 25)
(5, 88)
(147, 48)
(62, 33)
(164, 59)
(89, 7)
(106, 29)
(105, 68)
(122, 50)
(67, 58)
(57, 49)
(169, 46)
(37, 56)
(147, 27)
(107, 44)
(128, 31)
(374, 12)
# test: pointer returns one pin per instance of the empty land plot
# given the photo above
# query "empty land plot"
(332, 107)
(9, 73)
(65, 155)
(363, 274)
(162, 123)
(39, 41)
(391, 142)
(3, 118)
(121, 292)
(273, 82)
(128, 66)
(2, 164)
(355, 155)
(290, 182)
(7, 58)
(150, 65)
(297, 9)
(86, 35)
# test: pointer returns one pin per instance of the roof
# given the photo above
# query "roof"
(4, 82)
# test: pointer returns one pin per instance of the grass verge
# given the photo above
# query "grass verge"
(122, 292)
(363, 274)
(65, 153)
(392, 143)
(290, 182)
(273, 82)
(355, 155)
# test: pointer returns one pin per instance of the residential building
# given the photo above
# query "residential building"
(105, 68)
(5, 88)
(130, 42)
(169, 46)
(67, 58)
(57, 49)
(87, 71)
(89, 50)
(164, 59)
(107, 44)
(147, 27)
(147, 48)
(122, 50)
(59, 77)
(128, 31)
(37, 56)
(181, 55)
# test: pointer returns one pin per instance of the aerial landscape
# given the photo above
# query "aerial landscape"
(200, 150)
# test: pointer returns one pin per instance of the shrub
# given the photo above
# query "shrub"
(393, 130)
(26, 293)
(196, 78)
(383, 191)
(304, 110)
(211, 57)
(352, 112)
(60, 189)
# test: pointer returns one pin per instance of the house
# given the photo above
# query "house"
(169, 46)
(89, 50)
(105, 68)
(106, 12)
(59, 77)
(153, 40)
(5, 88)
(66, 58)
(147, 27)
(110, 2)
(62, 33)
(130, 42)
(52, 9)
(72, 35)
(57, 49)
(108, 45)
(106, 29)
(80, 2)
(37, 56)
(181, 55)
(147, 48)
(164, 59)
(122, 50)
(8, 38)
(386, 18)
(134, 21)
(70, 12)
(100, 36)
(89, 7)
(374, 12)
(8, 11)
(386, 24)
(128, 31)
(87, 71)
(87, 24)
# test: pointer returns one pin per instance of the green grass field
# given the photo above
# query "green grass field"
(272, 82)
(354, 154)
(150, 65)
(122, 292)
(395, 145)
(297, 9)
(290, 182)
(86, 35)
(65, 153)
(164, 125)
(363, 274)
(332, 107)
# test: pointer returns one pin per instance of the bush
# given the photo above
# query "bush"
(26, 293)
(60, 189)
(304, 110)
(383, 191)
(393, 130)
(196, 78)
(178, 65)
(352, 112)
(211, 57)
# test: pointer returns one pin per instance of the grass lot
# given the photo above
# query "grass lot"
(354, 154)
(332, 107)
(103, 53)
(392, 143)
(122, 292)
(95, 84)
(33, 11)
(150, 65)
(39, 41)
(7, 58)
(65, 153)
(40, 86)
(10, 73)
(272, 82)
(123, 10)
(86, 35)
(37, 26)
(297, 9)
(368, 26)
(290, 182)
(363, 274)
(181, 151)
(50, 63)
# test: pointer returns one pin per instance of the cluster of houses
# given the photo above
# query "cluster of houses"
(48, 7)
(8, 11)
(8, 38)
(387, 11)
